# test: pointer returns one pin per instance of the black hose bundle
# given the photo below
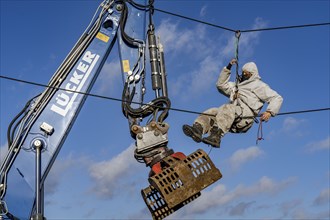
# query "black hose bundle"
(17, 120)
(160, 103)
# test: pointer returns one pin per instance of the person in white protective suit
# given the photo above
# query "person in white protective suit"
(247, 98)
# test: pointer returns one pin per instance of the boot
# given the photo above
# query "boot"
(215, 137)
(195, 131)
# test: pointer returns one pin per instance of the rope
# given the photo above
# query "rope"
(237, 35)
(259, 134)
(173, 109)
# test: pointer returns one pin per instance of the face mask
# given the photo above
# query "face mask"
(243, 78)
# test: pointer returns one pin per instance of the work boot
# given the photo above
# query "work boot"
(215, 137)
(195, 131)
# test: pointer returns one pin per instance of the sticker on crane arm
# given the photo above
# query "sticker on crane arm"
(126, 66)
(102, 37)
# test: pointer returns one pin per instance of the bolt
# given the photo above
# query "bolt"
(119, 7)
(137, 77)
(156, 133)
(37, 143)
(153, 124)
(140, 136)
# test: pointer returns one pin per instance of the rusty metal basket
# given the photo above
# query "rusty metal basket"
(179, 183)
(157, 205)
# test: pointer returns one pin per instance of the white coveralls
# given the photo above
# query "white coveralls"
(237, 116)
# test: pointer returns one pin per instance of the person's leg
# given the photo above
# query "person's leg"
(224, 120)
(201, 125)
(206, 120)
(226, 116)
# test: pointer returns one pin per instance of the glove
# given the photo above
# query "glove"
(232, 62)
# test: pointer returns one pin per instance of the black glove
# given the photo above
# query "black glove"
(229, 66)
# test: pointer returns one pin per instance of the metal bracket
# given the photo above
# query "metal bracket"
(150, 136)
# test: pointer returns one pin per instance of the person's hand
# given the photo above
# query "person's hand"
(233, 61)
(265, 116)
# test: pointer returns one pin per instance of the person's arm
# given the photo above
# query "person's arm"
(223, 84)
(274, 100)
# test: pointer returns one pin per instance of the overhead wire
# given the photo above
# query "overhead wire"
(287, 27)
(171, 108)
(195, 20)
(245, 31)
(120, 100)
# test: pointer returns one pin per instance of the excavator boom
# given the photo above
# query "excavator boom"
(39, 131)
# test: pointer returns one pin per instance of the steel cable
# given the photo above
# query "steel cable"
(121, 100)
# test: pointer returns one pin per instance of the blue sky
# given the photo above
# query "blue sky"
(96, 176)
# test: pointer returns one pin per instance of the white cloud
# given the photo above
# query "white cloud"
(193, 43)
(266, 185)
(240, 208)
(247, 41)
(290, 124)
(174, 38)
(219, 196)
(242, 156)
(319, 145)
(203, 77)
(110, 176)
(323, 198)
(206, 54)
(203, 11)
(293, 127)
(289, 206)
